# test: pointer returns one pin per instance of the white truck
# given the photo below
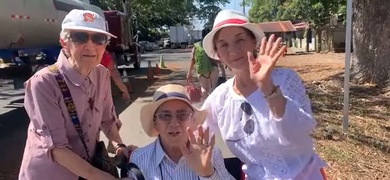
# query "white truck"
(196, 35)
(30, 28)
(179, 36)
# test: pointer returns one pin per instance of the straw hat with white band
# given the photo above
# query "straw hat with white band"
(228, 18)
(162, 95)
(85, 20)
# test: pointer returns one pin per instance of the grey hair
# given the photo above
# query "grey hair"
(64, 35)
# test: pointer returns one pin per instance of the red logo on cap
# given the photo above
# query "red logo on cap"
(88, 17)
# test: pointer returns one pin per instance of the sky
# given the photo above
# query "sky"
(234, 5)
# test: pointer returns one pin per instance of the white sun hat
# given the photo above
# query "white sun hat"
(85, 20)
(163, 94)
(227, 18)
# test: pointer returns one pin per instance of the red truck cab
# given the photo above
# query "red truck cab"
(125, 49)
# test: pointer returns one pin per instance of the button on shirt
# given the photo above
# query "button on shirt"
(274, 148)
(50, 125)
(156, 165)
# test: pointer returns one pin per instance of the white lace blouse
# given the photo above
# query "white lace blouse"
(270, 148)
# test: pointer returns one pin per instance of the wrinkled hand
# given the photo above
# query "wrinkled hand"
(122, 151)
(199, 151)
(269, 53)
(126, 150)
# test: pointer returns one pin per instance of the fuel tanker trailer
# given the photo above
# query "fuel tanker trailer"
(29, 33)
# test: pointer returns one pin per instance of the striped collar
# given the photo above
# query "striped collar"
(160, 154)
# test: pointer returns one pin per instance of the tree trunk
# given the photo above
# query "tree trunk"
(371, 41)
(318, 40)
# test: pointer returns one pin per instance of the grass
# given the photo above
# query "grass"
(363, 152)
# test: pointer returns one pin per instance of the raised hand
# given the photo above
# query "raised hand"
(269, 53)
(198, 152)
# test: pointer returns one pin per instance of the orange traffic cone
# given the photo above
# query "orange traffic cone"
(150, 72)
(157, 70)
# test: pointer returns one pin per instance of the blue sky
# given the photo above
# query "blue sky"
(234, 5)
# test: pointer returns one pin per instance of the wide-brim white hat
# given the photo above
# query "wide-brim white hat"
(163, 94)
(228, 18)
(85, 20)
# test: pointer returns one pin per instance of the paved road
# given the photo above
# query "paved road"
(14, 121)
(132, 132)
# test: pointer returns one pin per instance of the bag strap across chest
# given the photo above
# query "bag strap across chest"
(71, 107)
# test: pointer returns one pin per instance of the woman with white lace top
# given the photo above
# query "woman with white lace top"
(263, 112)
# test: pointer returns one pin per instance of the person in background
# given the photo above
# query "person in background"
(116, 79)
(116, 83)
(173, 154)
(206, 69)
(54, 149)
(263, 113)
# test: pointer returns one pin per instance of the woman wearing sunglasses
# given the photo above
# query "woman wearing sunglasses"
(69, 103)
(263, 112)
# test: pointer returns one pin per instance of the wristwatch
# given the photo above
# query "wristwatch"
(274, 93)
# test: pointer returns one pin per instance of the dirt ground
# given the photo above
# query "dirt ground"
(363, 152)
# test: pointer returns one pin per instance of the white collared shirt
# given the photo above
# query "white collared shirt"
(156, 165)
(270, 148)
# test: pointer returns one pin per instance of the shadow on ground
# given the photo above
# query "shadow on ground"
(187, 50)
(369, 111)
(140, 84)
(13, 133)
(299, 53)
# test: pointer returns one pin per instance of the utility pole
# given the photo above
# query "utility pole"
(243, 7)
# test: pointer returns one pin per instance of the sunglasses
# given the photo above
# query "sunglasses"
(83, 37)
(249, 126)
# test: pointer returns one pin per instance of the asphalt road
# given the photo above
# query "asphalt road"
(14, 120)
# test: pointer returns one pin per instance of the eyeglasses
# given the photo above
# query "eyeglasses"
(182, 116)
(83, 37)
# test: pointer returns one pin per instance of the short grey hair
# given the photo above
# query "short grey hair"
(64, 35)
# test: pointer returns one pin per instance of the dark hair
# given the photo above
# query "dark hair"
(247, 31)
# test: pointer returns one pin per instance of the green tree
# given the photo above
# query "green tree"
(208, 10)
(316, 12)
(147, 16)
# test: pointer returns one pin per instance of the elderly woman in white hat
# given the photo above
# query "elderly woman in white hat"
(263, 113)
(69, 103)
(174, 154)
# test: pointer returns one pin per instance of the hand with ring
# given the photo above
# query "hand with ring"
(198, 152)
